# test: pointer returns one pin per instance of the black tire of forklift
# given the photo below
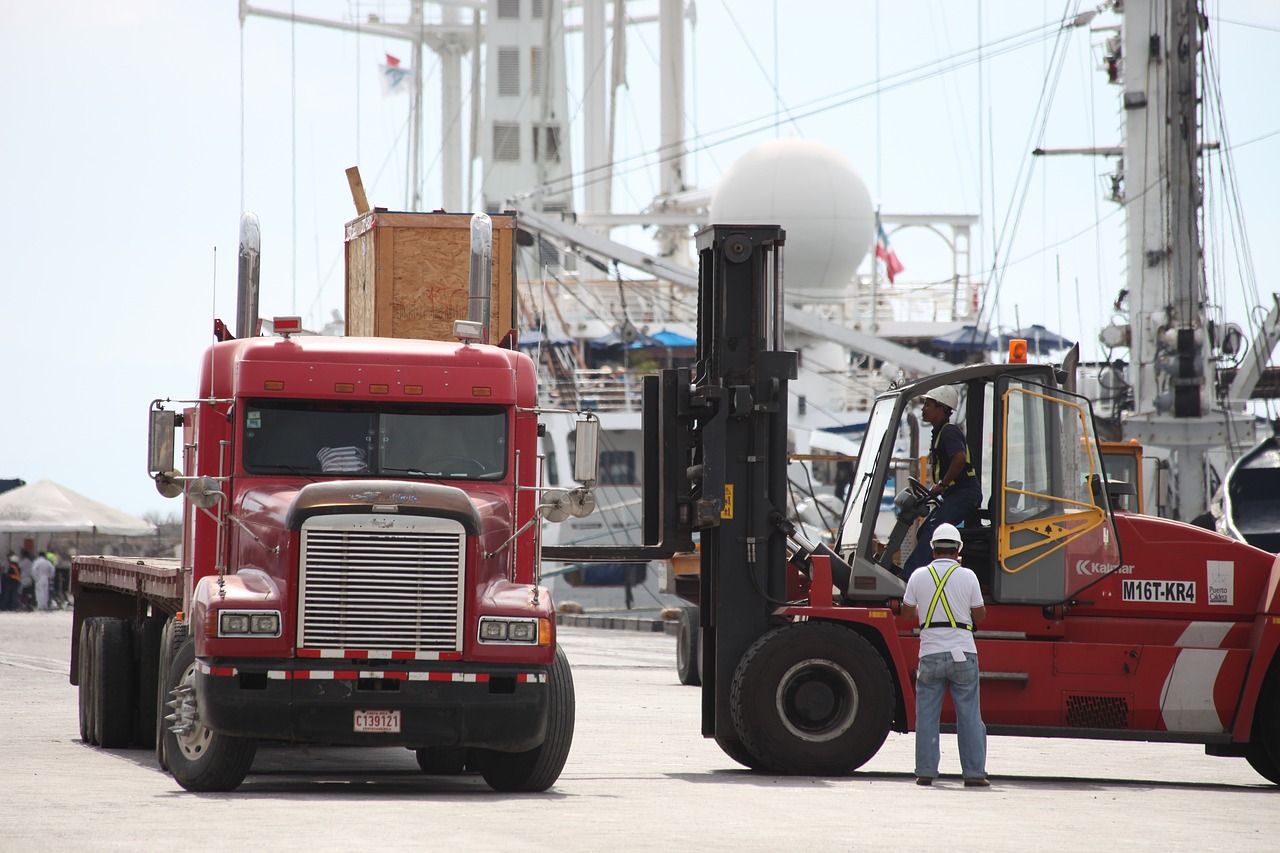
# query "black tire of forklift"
(113, 685)
(1263, 752)
(688, 660)
(88, 731)
(1259, 759)
(147, 645)
(203, 760)
(539, 768)
(812, 699)
(442, 760)
(172, 636)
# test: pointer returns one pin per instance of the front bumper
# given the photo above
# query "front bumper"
(493, 706)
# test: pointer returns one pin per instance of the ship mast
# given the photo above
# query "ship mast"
(1175, 405)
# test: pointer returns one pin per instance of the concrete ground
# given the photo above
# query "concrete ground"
(640, 775)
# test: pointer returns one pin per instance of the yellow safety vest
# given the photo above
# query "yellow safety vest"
(940, 597)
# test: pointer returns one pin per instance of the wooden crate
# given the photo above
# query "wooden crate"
(408, 274)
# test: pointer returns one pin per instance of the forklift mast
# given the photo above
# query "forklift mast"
(738, 402)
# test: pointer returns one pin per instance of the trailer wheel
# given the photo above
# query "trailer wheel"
(171, 639)
(688, 644)
(113, 683)
(199, 758)
(88, 731)
(812, 699)
(539, 768)
(148, 673)
(442, 760)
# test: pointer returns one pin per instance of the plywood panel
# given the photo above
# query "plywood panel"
(408, 274)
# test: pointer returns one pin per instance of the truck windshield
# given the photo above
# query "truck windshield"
(318, 439)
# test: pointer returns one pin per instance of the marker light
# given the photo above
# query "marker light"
(1017, 351)
(287, 326)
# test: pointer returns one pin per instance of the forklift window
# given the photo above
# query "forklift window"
(1051, 515)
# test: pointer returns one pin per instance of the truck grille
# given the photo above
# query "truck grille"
(378, 582)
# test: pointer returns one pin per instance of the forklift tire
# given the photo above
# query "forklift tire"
(812, 699)
(199, 758)
(113, 683)
(171, 638)
(1260, 760)
(688, 646)
(539, 768)
(88, 731)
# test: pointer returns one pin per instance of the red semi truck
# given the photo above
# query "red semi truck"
(360, 566)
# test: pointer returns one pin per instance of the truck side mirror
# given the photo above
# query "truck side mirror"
(160, 441)
(586, 461)
(160, 451)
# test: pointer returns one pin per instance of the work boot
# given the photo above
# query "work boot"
(924, 780)
(977, 783)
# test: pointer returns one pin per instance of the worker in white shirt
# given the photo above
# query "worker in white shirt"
(947, 599)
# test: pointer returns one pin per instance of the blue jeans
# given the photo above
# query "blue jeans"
(936, 672)
(954, 509)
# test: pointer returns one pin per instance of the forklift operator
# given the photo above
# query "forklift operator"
(951, 471)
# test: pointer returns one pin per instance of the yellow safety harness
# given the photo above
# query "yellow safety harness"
(940, 597)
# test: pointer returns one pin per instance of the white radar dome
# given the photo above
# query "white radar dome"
(816, 195)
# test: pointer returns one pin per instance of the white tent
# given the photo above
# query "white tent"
(46, 507)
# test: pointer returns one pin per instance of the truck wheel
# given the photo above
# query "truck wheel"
(171, 639)
(113, 684)
(442, 760)
(539, 768)
(738, 752)
(812, 699)
(88, 731)
(148, 671)
(688, 661)
(199, 758)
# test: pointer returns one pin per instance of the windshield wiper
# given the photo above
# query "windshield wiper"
(414, 471)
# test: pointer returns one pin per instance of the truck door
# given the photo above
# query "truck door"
(1051, 505)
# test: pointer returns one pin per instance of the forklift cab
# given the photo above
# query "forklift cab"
(1045, 510)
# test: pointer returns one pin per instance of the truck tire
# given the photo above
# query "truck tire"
(442, 760)
(199, 758)
(84, 666)
(113, 687)
(148, 671)
(171, 638)
(1263, 753)
(812, 699)
(688, 659)
(735, 750)
(539, 768)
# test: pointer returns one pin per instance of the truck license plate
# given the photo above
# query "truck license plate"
(378, 721)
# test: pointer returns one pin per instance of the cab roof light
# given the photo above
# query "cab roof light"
(378, 389)
(413, 389)
(344, 388)
(286, 326)
(1017, 351)
(273, 385)
(481, 391)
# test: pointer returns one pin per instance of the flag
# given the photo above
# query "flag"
(885, 252)
(395, 80)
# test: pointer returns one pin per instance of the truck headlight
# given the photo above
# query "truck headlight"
(498, 630)
(244, 623)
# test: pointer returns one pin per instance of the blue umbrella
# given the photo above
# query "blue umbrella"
(1040, 340)
(673, 340)
(534, 338)
(965, 339)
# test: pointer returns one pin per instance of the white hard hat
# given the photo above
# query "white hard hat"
(944, 395)
(947, 536)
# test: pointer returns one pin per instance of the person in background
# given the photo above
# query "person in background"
(947, 600)
(24, 565)
(955, 482)
(42, 572)
(10, 583)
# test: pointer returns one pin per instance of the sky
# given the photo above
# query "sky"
(135, 133)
